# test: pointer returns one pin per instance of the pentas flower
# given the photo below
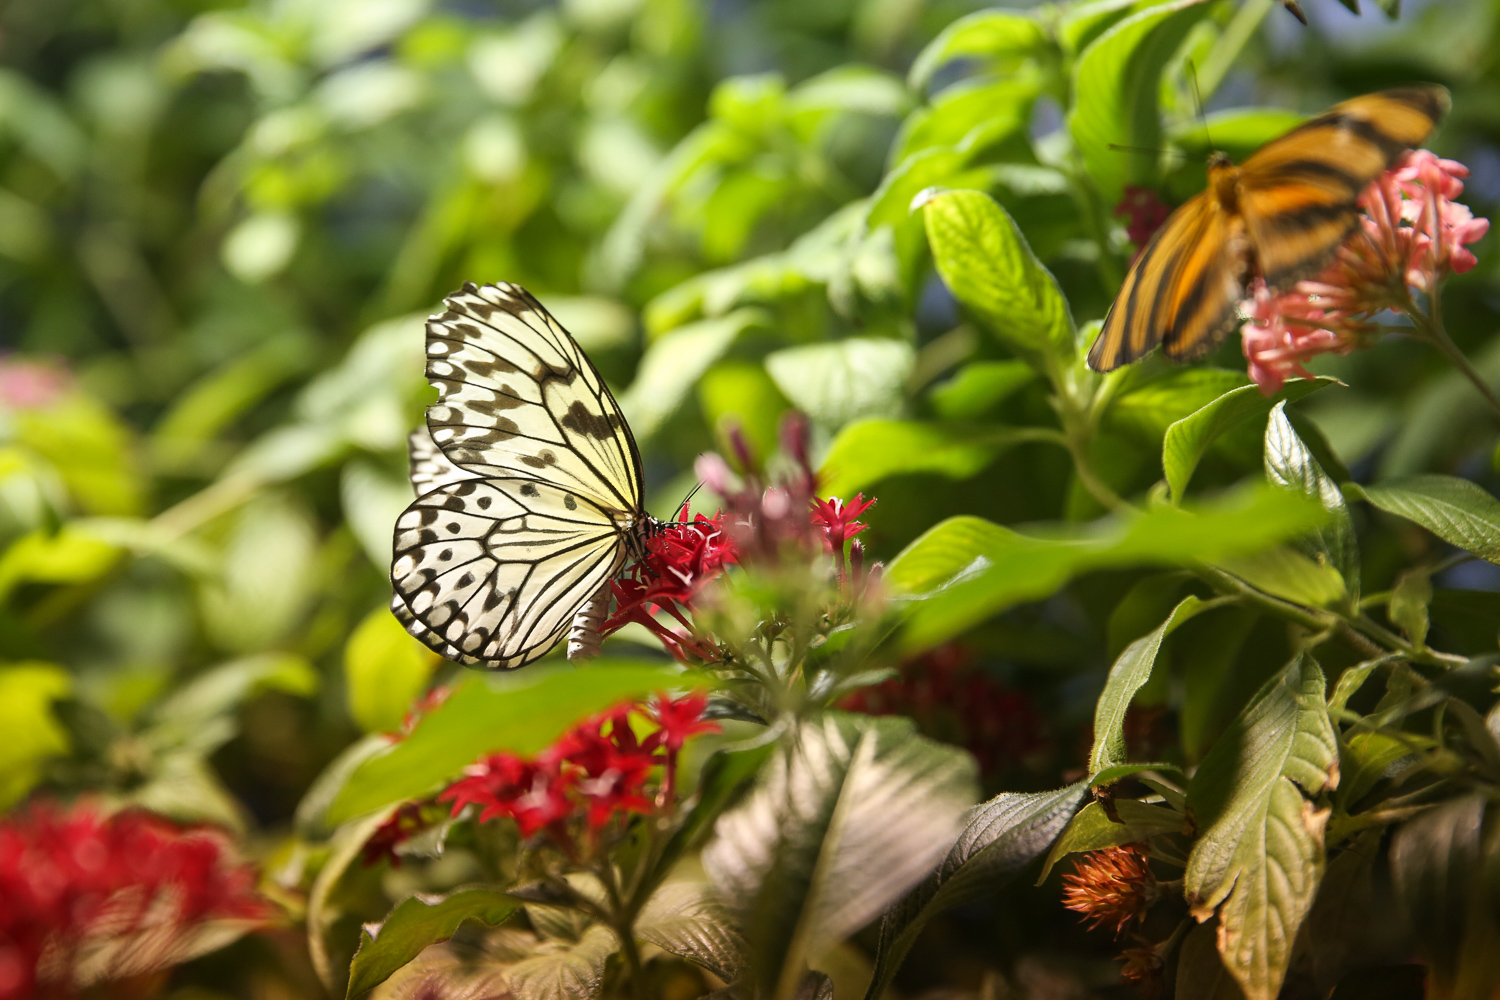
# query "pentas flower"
(1411, 235)
(87, 897)
(406, 822)
(951, 700)
(1112, 886)
(26, 384)
(679, 561)
(1144, 212)
(597, 771)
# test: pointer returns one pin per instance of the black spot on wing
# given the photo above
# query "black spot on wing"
(581, 420)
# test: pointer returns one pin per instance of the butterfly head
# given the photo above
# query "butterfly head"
(1223, 179)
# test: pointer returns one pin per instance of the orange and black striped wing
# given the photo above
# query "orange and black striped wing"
(1298, 193)
(1181, 291)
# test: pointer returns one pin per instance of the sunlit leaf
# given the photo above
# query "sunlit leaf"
(686, 919)
(867, 451)
(384, 671)
(848, 380)
(987, 34)
(33, 732)
(415, 923)
(1130, 671)
(1092, 829)
(1289, 464)
(672, 365)
(848, 815)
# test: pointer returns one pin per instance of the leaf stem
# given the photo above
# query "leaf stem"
(1430, 328)
(622, 922)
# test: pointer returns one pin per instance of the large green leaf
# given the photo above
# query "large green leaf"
(1456, 510)
(987, 264)
(384, 671)
(987, 34)
(564, 970)
(1116, 87)
(1002, 836)
(1093, 829)
(672, 365)
(1289, 464)
(850, 813)
(686, 919)
(1130, 671)
(1189, 438)
(968, 569)
(1259, 856)
(844, 381)
(868, 451)
(975, 115)
(417, 922)
(483, 715)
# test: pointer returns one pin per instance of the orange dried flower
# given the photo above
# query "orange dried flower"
(1143, 969)
(1112, 886)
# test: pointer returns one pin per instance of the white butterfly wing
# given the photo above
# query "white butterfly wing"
(517, 397)
(528, 485)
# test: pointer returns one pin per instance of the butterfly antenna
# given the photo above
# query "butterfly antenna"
(1192, 72)
(689, 498)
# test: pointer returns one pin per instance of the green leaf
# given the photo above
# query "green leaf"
(968, 569)
(73, 555)
(1002, 836)
(1145, 410)
(1260, 854)
(1456, 510)
(1290, 465)
(1200, 972)
(685, 919)
(847, 380)
(1189, 438)
(266, 586)
(1130, 671)
(417, 922)
(565, 971)
(1364, 760)
(673, 364)
(1438, 863)
(975, 115)
(384, 671)
(743, 394)
(484, 715)
(850, 813)
(989, 34)
(868, 451)
(1093, 830)
(202, 714)
(978, 388)
(985, 261)
(1285, 572)
(32, 732)
(1409, 600)
(1116, 87)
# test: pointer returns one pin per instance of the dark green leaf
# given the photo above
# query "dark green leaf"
(414, 924)
(1093, 830)
(1131, 670)
(1259, 856)
(1409, 600)
(1002, 837)
(978, 388)
(1456, 510)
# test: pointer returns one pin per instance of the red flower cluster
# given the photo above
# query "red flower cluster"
(679, 561)
(1411, 235)
(86, 897)
(596, 771)
(1144, 212)
(951, 701)
(1112, 886)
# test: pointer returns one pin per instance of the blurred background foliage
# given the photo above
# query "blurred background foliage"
(221, 223)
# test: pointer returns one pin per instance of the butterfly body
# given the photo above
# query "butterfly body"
(529, 488)
(1279, 216)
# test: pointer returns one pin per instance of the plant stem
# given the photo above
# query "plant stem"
(622, 922)
(1430, 328)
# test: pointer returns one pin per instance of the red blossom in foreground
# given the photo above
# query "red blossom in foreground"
(1144, 212)
(1411, 235)
(951, 700)
(86, 897)
(1111, 887)
(596, 771)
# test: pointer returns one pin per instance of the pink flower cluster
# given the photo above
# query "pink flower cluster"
(26, 384)
(1411, 235)
(74, 881)
(597, 771)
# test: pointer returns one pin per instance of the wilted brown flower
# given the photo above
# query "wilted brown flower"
(1112, 886)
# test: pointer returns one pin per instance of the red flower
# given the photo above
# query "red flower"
(502, 784)
(1144, 211)
(406, 822)
(680, 560)
(680, 719)
(126, 891)
(837, 518)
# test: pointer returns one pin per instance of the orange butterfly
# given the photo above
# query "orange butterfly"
(1279, 216)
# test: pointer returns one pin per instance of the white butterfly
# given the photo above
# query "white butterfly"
(528, 488)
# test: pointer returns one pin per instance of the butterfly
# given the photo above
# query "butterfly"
(1280, 216)
(528, 485)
